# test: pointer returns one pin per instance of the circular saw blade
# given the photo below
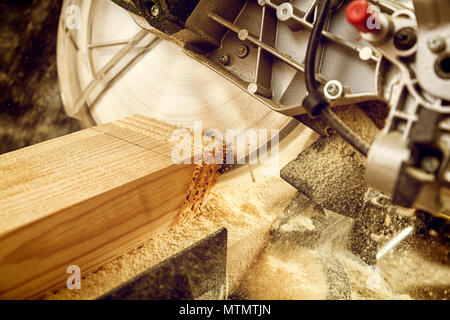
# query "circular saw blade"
(169, 86)
(163, 84)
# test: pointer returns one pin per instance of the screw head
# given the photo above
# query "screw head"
(333, 90)
(405, 39)
(224, 59)
(436, 44)
(242, 51)
(430, 164)
(262, 2)
(154, 11)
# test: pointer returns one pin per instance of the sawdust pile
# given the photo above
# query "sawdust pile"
(300, 274)
(367, 282)
(419, 268)
(300, 222)
(408, 272)
(295, 274)
(246, 209)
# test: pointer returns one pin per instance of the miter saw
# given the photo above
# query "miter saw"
(334, 53)
(303, 59)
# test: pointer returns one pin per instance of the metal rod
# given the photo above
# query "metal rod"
(244, 35)
(394, 242)
(107, 44)
(328, 35)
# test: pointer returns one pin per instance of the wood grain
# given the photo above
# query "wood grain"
(84, 199)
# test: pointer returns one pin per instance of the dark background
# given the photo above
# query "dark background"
(31, 109)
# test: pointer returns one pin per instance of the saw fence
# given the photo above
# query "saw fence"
(84, 199)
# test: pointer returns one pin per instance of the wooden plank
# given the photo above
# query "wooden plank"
(84, 199)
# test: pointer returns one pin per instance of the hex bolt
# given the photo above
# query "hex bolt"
(333, 90)
(262, 3)
(405, 39)
(436, 44)
(224, 59)
(430, 164)
(242, 52)
(154, 11)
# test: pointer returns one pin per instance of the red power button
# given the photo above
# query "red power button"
(358, 15)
